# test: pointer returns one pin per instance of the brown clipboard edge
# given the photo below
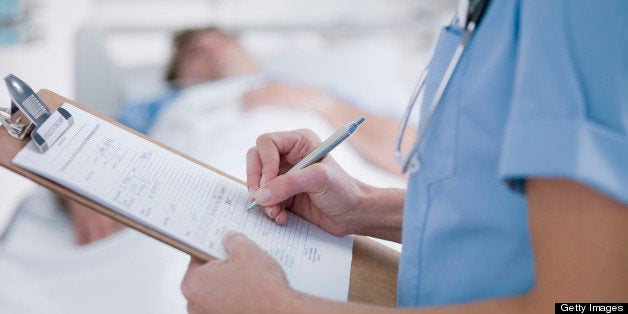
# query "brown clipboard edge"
(373, 267)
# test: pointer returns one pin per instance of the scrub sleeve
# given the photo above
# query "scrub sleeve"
(569, 112)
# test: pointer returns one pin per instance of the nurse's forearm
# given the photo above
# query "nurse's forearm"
(381, 212)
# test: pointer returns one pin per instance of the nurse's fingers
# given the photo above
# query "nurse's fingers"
(282, 217)
(270, 147)
(253, 170)
(240, 248)
(277, 213)
(292, 146)
(310, 179)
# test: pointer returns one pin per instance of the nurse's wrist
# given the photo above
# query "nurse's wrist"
(380, 213)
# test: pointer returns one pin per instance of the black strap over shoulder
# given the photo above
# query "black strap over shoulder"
(476, 11)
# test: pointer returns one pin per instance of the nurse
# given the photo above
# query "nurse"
(518, 189)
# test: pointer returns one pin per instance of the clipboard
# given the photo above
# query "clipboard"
(373, 276)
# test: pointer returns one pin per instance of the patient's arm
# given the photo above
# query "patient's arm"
(88, 225)
(375, 140)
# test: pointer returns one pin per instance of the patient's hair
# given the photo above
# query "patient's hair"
(180, 40)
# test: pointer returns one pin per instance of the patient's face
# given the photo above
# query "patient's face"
(211, 55)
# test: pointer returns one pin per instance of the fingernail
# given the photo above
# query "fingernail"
(262, 195)
(262, 180)
(277, 219)
(268, 210)
(251, 192)
(229, 234)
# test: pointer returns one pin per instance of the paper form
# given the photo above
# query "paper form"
(186, 201)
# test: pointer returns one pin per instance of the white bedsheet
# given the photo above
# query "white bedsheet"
(43, 271)
(208, 123)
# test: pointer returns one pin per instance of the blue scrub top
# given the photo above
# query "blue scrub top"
(541, 91)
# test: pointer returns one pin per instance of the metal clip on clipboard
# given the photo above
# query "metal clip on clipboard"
(30, 116)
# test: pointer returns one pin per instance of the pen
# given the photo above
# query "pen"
(323, 149)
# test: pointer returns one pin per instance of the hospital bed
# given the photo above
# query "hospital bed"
(43, 271)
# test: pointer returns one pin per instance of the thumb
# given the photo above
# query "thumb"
(238, 246)
(309, 179)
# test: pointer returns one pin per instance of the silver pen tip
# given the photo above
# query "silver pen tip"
(251, 206)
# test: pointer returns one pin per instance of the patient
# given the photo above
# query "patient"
(209, 55)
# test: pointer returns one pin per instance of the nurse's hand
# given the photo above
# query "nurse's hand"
(248, 281)
(322, 193)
